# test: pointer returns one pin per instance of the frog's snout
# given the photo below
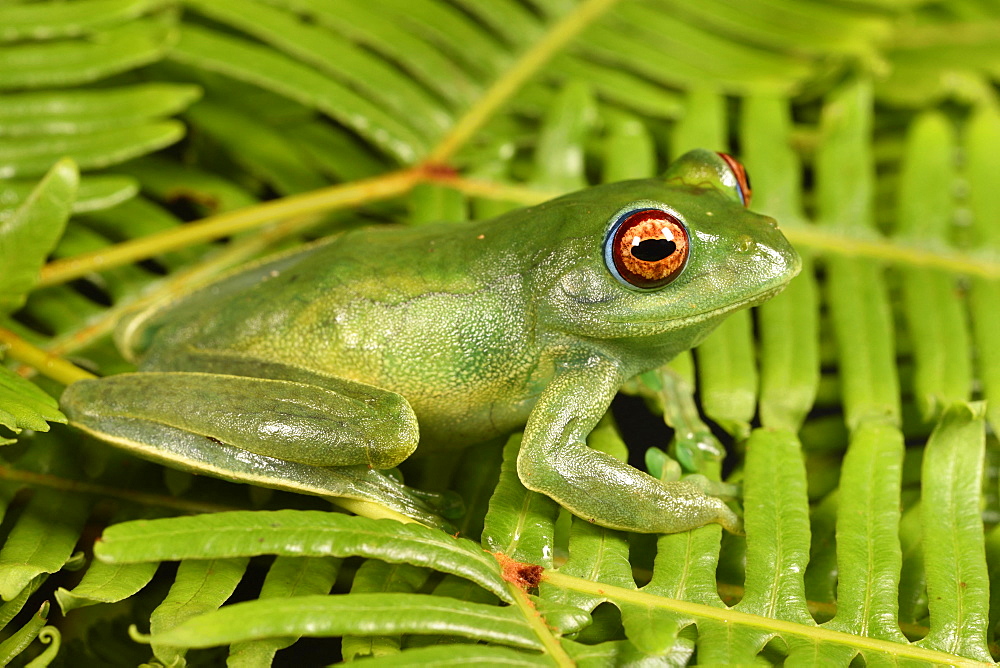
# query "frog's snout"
(773, 245)
(795, 264)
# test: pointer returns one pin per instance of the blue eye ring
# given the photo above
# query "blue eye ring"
(646, 247)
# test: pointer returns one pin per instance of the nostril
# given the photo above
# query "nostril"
(745, 243)
(771, 221)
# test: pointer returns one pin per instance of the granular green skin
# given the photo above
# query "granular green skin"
(480, 328)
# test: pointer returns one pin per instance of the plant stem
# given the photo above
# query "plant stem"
(131, 496)
(835, 241)
(537, 624)
(178, 282)
(526, 66)
(48, 364)
(779, 626)
(224, 224)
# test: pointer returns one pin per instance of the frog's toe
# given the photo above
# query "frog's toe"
(389, 429)
(730, 521)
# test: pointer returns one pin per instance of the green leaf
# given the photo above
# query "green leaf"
(106, 583)
(457, 655)
(559, 154)
(272, 158)
(48, 20)
(981, 136)
(28, 236)
(20, 639)
(200, 586)
(298, 533)
(856, 288)
(596, 554)
(629, 151)
(246, 61)
(788, 25)
(41, 540)
(868, 551)
(28, 156)
(288, 577)
(777, 526)
(9, 610)
(943, 373)
(954, 559)
(355, 614)
(368, 25)
(666, 49)
(23, 405)
(342, 60)
(374, 577)
(93, 194)
(170, 182)
(71, 62)
(520, 523)
(58, 112)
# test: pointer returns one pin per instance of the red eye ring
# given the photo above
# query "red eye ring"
(647, 248)
(742, 177)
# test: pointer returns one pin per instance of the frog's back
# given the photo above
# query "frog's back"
(432, 313)
(375, 272)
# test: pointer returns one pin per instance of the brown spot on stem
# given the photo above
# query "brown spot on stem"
(525, 576)
(437, 171)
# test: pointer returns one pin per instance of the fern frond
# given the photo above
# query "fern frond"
(210, 132)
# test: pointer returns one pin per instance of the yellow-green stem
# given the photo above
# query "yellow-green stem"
(224, 224)
(730, 616)
(176, 283)
(537, 624)
(495, 190)
(525, 67)
(46, 363)
(131, 496)
(891, 251)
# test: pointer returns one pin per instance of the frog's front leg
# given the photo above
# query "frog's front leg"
(293, 414)
(555, 460)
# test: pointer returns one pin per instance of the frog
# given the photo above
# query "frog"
(322, 368)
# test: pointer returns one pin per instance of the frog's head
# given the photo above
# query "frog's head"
(664, 258)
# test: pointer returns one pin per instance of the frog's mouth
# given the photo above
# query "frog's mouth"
(701, 316)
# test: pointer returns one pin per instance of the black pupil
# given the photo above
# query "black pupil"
(653, 250)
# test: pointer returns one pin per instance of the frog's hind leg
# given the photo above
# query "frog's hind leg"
(294, 430)
(339, 423)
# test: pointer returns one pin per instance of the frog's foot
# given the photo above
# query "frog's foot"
(726, 490)
(603, 490)
(282, 419)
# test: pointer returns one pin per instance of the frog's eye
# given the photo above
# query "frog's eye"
(646, 248)
(742, 177)
(702, 169)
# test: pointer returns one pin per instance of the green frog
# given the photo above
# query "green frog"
(317, 369)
